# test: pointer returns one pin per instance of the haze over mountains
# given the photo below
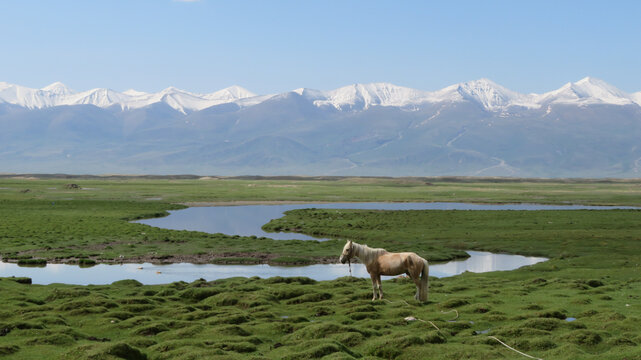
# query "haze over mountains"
(583, 129)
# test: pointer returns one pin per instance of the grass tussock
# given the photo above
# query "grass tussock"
(337, 327)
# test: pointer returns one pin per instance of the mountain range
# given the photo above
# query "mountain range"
(586, 128)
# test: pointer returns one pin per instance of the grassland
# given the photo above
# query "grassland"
(601, 192)
(47, 219)
(297, 318)
(593, 274)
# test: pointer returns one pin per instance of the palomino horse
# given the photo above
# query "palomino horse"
(381, 262)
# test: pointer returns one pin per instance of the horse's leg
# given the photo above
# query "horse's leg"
(380, 287)
(416, 277)
(417, 282)
(373, 286)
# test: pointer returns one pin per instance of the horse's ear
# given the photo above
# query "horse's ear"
(349, 241)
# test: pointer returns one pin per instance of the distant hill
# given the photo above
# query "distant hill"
(584, 129)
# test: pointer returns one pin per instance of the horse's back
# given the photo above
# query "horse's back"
(397, 263)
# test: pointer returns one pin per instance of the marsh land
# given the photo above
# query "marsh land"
(583, 303)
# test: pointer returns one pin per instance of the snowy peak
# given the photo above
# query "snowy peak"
(310, 94)
(98, 97)
(171, 90)
(595, 88)
(57, 88)
(364, 96)
(587, 91)
(357, 97)
(230, 94)
(132, 92)
(58, 94)
(24, 96)
(493, 96)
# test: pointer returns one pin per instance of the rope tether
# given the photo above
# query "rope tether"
(513, 349)
(401, 301)
(412, 318)
(447, 312)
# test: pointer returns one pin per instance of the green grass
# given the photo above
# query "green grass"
(277, 319)
(593, 274)
(57, 224)
(440, 235)
(603, 192)
(83, 231)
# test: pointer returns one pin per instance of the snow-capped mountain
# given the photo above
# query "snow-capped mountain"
(488, 94)
(57, 89)
(493, 96)
(356, 97)
(587, 91)
(57, 94)
(586, 128)
(27, 97)
(364, 96)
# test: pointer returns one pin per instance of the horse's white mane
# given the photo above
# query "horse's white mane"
(367, 254)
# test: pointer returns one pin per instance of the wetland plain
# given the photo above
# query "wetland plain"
(591, 278)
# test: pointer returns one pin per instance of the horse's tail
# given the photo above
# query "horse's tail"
(425, 285)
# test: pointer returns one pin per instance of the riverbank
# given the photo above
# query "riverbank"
(153, 274)
(249, 202)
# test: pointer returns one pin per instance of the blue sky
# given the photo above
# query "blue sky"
(275, 46)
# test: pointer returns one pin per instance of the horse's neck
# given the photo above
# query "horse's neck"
(366, 254)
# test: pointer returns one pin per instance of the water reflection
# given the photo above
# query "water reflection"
(247, 220)
(161, 274)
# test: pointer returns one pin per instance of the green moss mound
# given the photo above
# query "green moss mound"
(8, 349)
(104, 352)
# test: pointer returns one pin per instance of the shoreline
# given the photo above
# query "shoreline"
(212, 259)
(304, 202)
(266, 202)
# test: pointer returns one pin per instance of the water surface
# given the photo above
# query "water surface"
(150, 274)
(247, 220)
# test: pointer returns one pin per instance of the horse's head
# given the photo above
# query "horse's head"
(348, 252)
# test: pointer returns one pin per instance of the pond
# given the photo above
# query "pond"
(247, 220)
(161, 274)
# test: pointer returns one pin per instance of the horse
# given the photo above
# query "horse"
(381, 262)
